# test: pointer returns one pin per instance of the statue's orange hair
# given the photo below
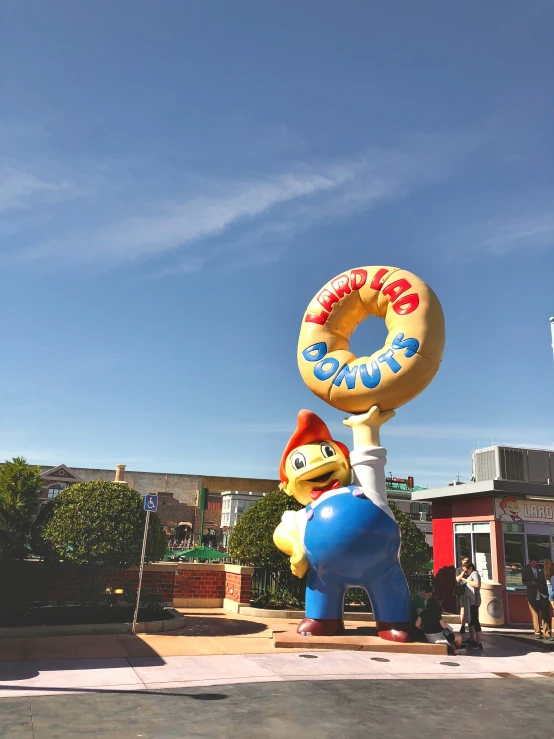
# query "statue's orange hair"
(310, 429)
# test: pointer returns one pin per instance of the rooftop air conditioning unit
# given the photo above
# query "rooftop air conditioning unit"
(514, 464)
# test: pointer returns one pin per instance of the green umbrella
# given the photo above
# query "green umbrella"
(199, 553)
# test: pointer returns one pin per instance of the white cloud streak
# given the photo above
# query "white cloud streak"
(534, 438)
(205, 216)
(21, 189)
(190, 223)
(520, 233)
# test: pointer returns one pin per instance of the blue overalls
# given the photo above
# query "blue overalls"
(351, 542)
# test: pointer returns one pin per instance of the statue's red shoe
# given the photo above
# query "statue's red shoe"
(320, 627)
(398, 632)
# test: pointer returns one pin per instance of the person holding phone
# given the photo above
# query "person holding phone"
(460, 590)
(472, 601)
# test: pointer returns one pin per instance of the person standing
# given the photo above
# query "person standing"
(472, 601)
(537, 597)
(548, 569)
(460, 590)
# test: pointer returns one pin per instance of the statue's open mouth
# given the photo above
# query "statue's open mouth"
(321, 478)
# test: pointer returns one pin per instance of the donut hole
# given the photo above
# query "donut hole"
(368, 335)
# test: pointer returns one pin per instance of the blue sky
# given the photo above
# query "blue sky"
(178, 179)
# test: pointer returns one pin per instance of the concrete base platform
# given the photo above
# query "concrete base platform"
(362, 639)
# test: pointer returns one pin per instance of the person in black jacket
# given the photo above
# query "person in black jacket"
(537, 596)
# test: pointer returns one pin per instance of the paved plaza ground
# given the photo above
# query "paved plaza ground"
(329, 709)
(222, 677)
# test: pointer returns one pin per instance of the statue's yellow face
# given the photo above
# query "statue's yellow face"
(313, 468)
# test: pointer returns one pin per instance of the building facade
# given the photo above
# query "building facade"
(234, 504)
(178, 505)
(399, 492)
(501, 519)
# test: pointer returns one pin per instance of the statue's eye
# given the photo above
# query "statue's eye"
(327, 450)
(298, 460)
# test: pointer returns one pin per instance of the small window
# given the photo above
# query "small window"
(514, 528)
(481, 527)
(55, 490)
(462, 528)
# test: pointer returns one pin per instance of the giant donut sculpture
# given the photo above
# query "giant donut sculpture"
(391, 376)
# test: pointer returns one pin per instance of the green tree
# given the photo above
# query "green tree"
(415, 551)
(251, 541)
(20, 486)
(99, 525)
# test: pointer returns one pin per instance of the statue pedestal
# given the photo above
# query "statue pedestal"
(356, 637)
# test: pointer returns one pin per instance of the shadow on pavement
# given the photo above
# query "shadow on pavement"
(206, 626)
(74, 653)
(114, 691)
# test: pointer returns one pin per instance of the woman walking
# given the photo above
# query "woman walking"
(472, 601)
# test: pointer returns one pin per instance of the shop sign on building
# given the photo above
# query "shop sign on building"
(520, 510)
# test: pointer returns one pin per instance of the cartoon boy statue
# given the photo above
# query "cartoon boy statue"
(510, 509)
(346, 536)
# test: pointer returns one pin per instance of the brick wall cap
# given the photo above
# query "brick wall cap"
(239, 569)
(200, 567)
(157, 567)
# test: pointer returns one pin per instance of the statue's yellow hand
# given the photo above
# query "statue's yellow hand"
(298, 562)
(373, 418)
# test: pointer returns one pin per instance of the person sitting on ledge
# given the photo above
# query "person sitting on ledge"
(436, 630)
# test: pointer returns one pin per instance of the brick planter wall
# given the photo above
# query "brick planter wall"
(180, 584)
(199, 585)
(238, 587)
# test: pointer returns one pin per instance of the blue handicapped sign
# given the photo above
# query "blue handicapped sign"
(150, 503)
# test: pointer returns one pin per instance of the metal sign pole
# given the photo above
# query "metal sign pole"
(140, 570)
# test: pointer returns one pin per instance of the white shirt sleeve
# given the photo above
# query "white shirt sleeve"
(368, 464)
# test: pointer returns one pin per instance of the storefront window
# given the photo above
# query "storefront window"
(520, 546)
(514, 556)
(474, 541)
(538, 547)
(463, 547)
(483, 557)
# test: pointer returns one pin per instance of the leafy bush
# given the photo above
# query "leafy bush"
(99, 525)
(251, 541)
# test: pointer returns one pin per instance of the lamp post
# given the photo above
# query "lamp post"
(552, 331)
(202, 504)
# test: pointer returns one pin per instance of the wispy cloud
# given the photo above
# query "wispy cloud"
(199, 217)
(520, 233)
(482, 436)
(195, 220)
(503, 235)
(22, 189)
